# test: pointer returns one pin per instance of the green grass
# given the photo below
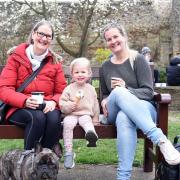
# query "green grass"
(105, 152)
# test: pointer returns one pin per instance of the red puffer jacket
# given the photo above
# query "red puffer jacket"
(50, 79)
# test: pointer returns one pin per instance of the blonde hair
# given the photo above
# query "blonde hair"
(81, 60)
(117, 26)
(132, 53)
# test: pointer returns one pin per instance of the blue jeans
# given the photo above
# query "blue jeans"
(128, 113)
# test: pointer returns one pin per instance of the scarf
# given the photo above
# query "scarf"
(34, 59)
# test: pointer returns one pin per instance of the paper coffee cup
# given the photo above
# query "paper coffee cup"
(113, 79)
(39, 96)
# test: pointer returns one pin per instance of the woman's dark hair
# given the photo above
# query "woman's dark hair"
(35, 28)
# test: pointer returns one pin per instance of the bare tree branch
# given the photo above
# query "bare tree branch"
(93, 41)
(44, 10)
(65, 48)
(25, 2)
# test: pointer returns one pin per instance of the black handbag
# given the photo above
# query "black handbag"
(166, 171)
(4, 107)
(3, 110)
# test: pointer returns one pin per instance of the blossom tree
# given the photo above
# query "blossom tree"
(77, 22)
(81, 17)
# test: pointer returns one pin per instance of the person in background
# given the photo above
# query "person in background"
(41, 125)
(146, 52)
(80, 105)
(127, 89)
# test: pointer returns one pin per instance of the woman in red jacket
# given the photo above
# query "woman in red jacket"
(40, 125)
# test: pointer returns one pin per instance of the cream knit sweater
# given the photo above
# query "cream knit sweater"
(88, 105)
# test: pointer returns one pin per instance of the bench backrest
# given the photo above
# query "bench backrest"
(94, 79)
(95, 71)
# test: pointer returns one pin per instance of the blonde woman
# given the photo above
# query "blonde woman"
(127, 89)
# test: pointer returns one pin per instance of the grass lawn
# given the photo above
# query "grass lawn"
(105, 152)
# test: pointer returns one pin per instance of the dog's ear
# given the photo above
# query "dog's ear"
(57, 149)
(37, 147)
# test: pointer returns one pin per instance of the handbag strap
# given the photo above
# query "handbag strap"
(31, 77)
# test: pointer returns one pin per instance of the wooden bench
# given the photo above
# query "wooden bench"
(109, 131)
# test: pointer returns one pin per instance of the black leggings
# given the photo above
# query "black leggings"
(41, 127)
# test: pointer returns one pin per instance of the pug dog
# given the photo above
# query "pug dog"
(36, 164)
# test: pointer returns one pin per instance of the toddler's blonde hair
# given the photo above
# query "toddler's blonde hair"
(81, 60)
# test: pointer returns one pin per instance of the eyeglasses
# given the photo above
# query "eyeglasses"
(41, 35)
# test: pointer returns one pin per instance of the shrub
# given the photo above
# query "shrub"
(162, 75)
(102, 55)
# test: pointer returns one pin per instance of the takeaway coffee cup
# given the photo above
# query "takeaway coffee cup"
(39, 96)
(113, 79)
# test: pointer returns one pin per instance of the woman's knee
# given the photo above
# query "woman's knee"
(39, 119)
(53, 119)
(119, 94)
(119, 91)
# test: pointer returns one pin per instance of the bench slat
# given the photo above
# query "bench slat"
(103, 131)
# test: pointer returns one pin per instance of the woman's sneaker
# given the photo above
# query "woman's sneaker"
(171, 155)
(91, 137)
(69, 160)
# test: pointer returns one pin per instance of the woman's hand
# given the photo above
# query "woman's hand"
(50, 106)
(104, 107)
(117, 82)
(31, 103)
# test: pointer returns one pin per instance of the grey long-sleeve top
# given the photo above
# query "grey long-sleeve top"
(138, 79)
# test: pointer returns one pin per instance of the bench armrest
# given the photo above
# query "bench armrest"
(162, 98)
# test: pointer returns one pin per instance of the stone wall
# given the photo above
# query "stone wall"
(175, 27)
(174, 91)
(152, 29)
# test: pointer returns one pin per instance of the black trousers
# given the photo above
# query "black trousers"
(39, 126)
(156, 76)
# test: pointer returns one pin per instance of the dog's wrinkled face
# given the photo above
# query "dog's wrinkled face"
(45, 164)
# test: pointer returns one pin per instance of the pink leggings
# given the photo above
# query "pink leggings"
(68, 125)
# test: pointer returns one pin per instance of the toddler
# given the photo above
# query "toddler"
(80, 105)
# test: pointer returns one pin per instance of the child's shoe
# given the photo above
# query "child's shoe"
(91, 137)
(171, 155)
(103, 119)
(69, 160)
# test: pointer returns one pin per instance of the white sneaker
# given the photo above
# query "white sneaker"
(69, 160)
(171, 155)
